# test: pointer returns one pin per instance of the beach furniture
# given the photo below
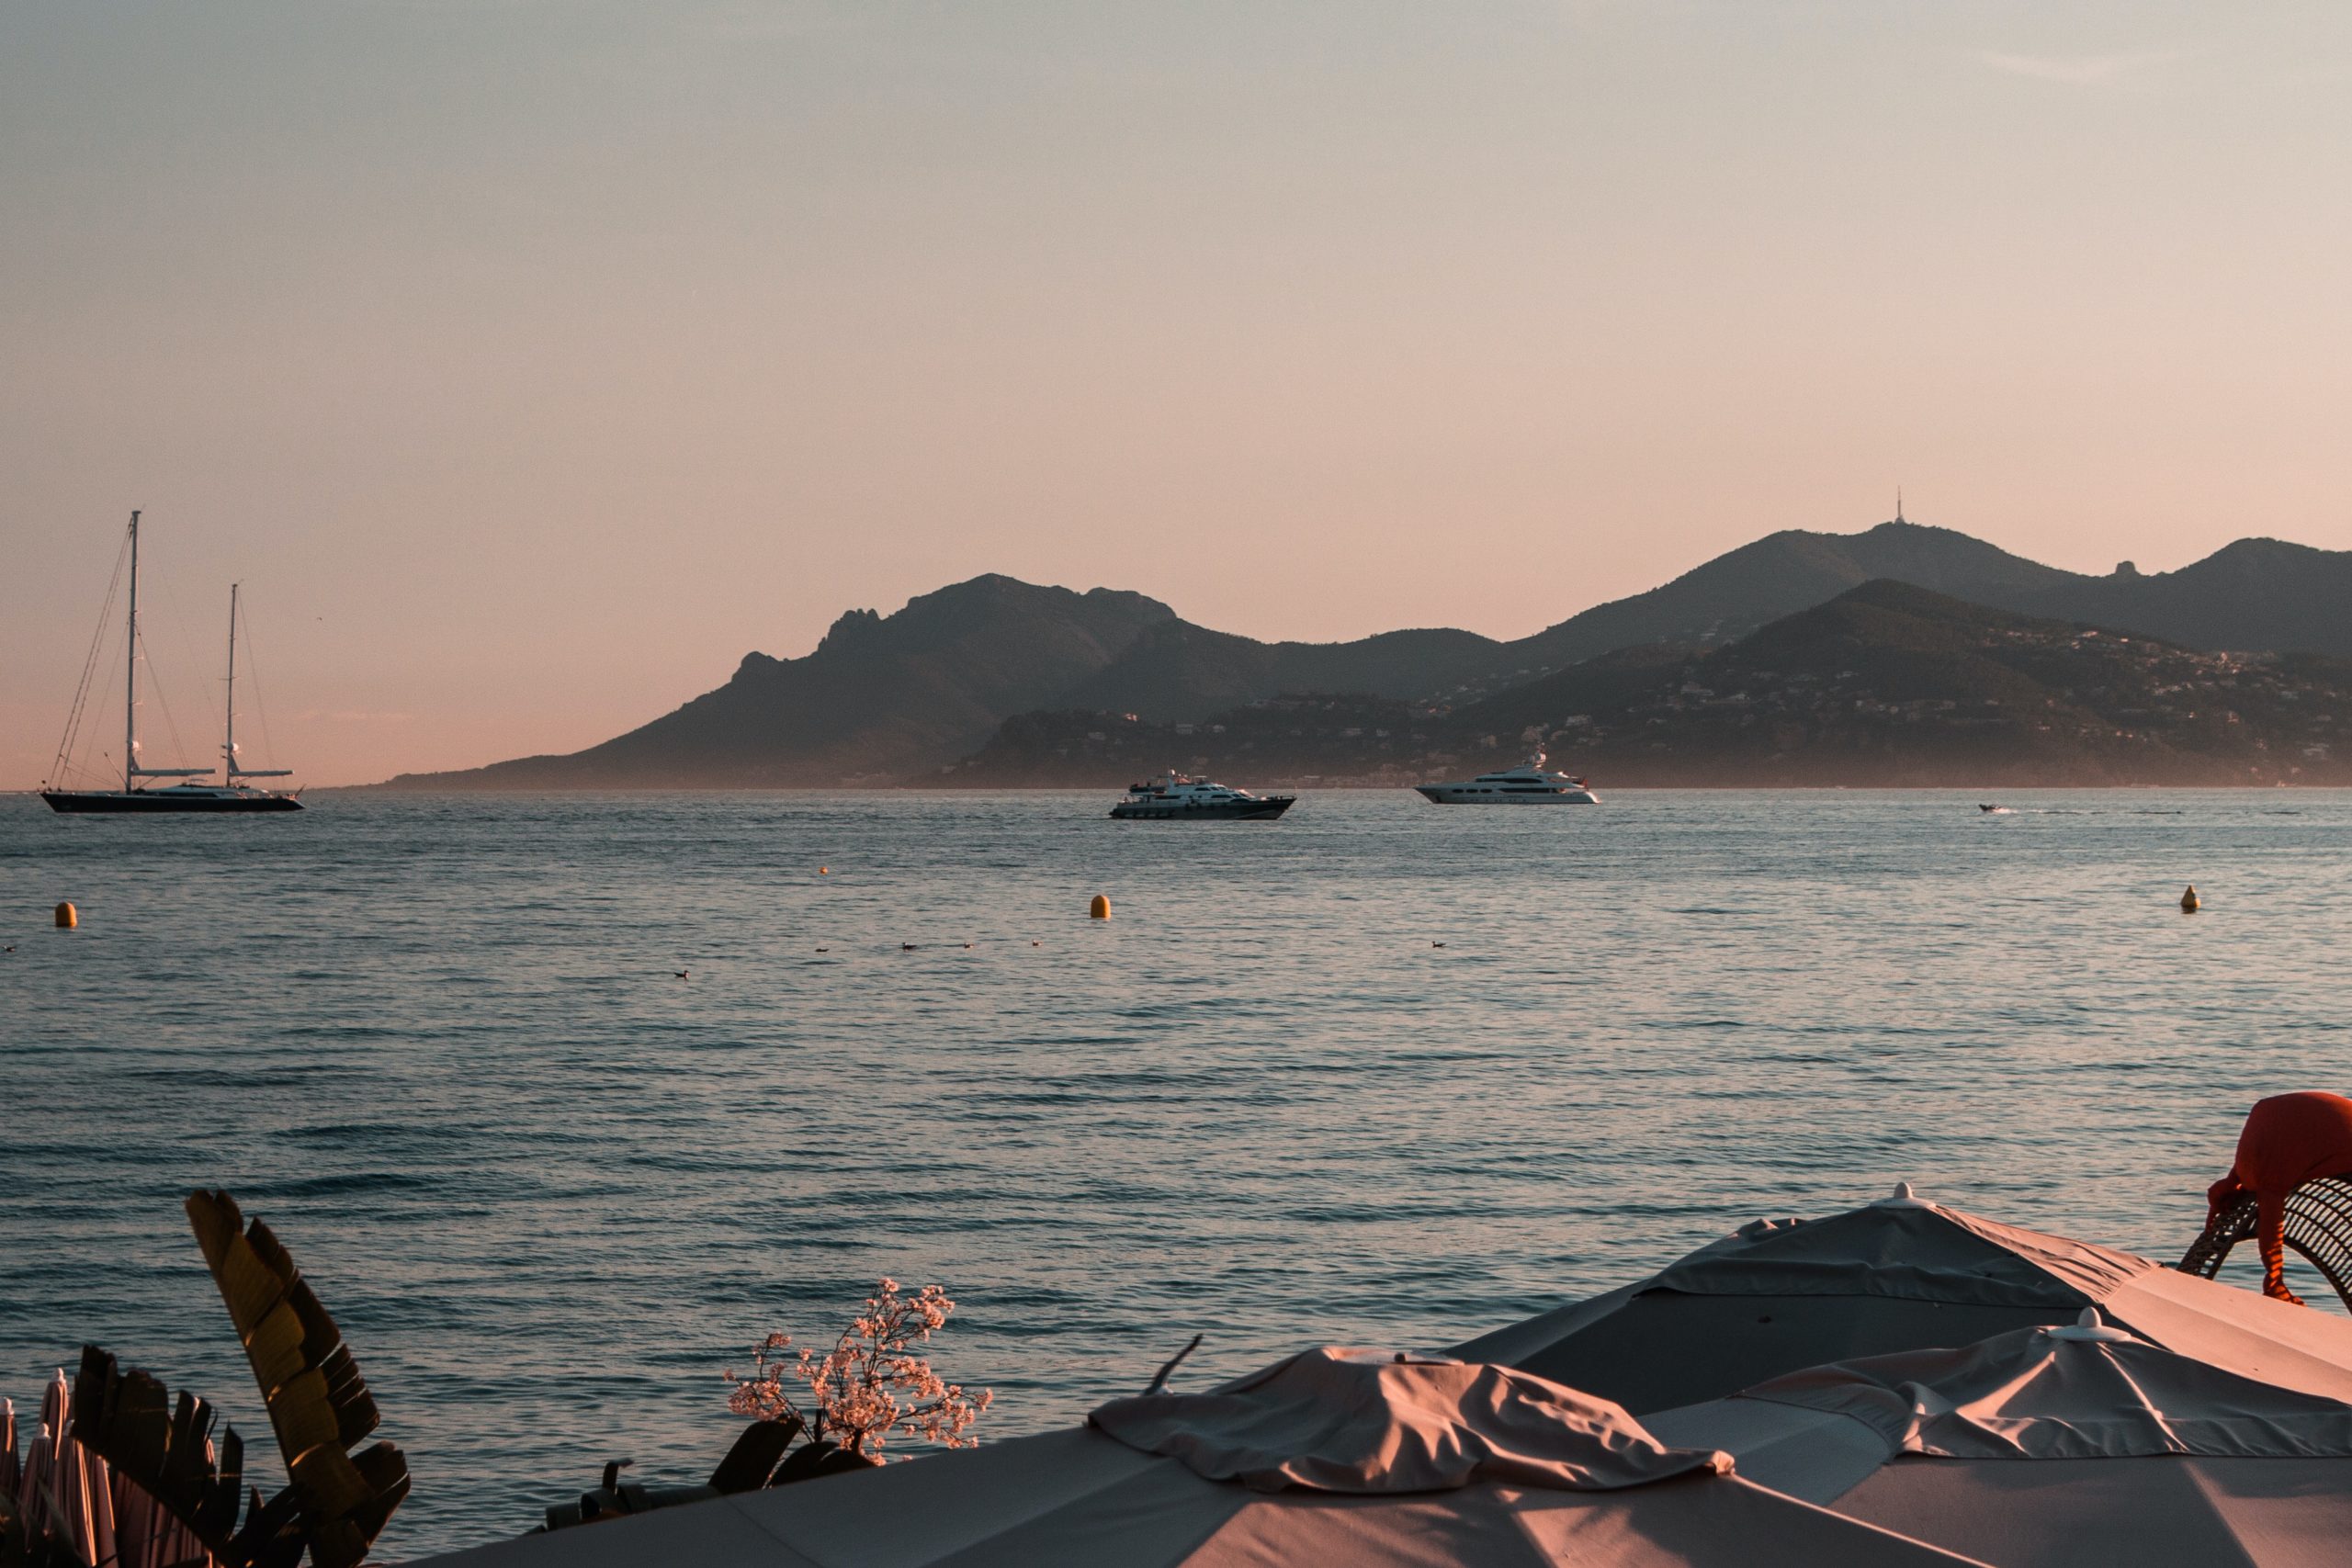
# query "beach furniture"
(2315, 1224)
(2291, 1146)
(1334, 1456)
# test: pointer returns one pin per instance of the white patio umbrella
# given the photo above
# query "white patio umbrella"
(1900, 1274)
(2074, 1447)
(1337, 1457)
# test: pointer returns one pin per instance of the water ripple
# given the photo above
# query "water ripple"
(550, 1190)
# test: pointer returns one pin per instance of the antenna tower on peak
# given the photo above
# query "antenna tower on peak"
(1898, 504)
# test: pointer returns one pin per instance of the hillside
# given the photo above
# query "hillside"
(879, 696)
(2254, 593)
(883, 698)
(1779, 574)
(885, 695)
(1177, 671)
(1886, 684)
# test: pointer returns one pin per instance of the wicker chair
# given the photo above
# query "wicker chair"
(2318, 1230)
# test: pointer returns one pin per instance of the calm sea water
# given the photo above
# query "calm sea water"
(549, 1189)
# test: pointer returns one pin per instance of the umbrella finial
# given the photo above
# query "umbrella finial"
(2089, 1325)
(1903, 1197)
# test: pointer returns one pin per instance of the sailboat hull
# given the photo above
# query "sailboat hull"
(115, 800)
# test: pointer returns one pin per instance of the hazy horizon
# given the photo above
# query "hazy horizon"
(530, 364)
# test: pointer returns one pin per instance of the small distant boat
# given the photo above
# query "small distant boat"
(1528, 785)
(1993, 810)
(1177, 798)
(230, 794)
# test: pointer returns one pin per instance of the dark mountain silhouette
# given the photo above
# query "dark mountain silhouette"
(885, 699)
(1885, 685)
(2254, 595)
(879, 696)
(1177, 670)
(1891, 684)
(1779, 574)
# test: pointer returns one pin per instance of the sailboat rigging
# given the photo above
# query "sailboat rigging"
(228, 794)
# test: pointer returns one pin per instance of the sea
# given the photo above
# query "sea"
(1379, 1074)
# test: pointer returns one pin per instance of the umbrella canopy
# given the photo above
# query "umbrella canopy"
(1335, 1456)
(1900, 1274)
(1368, 1421)
(2167, 1459)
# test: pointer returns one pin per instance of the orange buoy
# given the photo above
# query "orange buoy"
(824, 870)
(67, 917)
(2189, 902)
(1100, 909)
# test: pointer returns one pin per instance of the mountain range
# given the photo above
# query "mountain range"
(1886, 684)
(894, 699)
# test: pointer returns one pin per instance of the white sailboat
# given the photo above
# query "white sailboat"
(230, 794)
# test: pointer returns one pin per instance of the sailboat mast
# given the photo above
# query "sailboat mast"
(229, 741)
(131, 669)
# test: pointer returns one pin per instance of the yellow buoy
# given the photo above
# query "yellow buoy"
(2189, 902)
(67, 917)
(1100, 909)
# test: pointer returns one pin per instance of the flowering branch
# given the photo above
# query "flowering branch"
(872, 1385)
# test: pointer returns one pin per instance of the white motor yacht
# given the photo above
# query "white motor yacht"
(1529, 784)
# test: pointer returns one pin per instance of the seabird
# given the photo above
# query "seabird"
(681, 973)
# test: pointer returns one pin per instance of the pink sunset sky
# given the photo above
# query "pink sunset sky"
(529, 361)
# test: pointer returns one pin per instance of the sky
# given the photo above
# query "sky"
(530, 361)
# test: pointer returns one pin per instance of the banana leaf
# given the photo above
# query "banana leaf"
(319, 1405)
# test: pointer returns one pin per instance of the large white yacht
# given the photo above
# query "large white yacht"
(1526, 785)
(1179, 798)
